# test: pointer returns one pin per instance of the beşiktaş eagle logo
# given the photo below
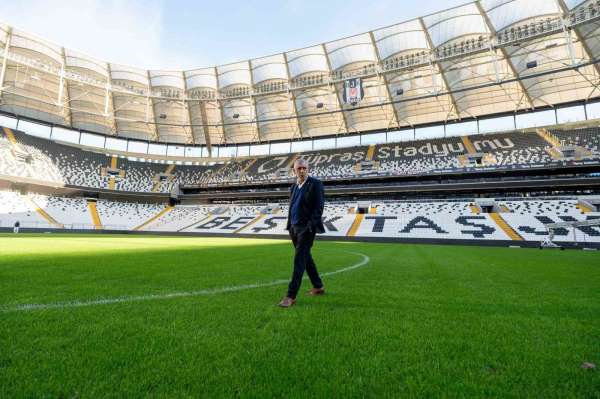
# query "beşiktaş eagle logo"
(353, 91)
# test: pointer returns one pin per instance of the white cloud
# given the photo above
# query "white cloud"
(119, 31)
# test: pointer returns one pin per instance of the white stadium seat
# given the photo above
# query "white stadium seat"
(438, 220)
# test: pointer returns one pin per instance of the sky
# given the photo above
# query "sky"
(181, 35)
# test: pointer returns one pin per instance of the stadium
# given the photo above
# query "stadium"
(143, 214)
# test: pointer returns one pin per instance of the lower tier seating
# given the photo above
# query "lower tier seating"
(521, 219)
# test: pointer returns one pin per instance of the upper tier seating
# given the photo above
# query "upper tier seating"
(37, 165)
(47, 161)
(140, 176)
(77, 167)
(420, 157)
(513, 150)
(335, 164)
(588, 138)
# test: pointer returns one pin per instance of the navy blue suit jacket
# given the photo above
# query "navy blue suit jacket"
(311, 206)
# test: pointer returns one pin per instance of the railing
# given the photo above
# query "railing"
(309, 81)
(236, 92)
(465, 47)
(271, 87)
(366, 70)
(127, 88)
(27, 224)
(202, 94)
(406, 61)
(529, 30)
(115, 227)
(585, 14)
(80, 226)
(168, 92)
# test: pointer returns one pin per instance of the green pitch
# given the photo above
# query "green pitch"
(141, 316)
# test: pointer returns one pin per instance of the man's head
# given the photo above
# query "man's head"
(301, 169)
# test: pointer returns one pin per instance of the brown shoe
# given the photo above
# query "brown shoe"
(287, 302)
(316, 291)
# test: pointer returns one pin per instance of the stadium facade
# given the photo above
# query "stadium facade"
(482, 58)
(441, 128)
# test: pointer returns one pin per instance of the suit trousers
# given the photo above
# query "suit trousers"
(303, 240)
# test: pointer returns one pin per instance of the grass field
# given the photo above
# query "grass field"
(141, 316)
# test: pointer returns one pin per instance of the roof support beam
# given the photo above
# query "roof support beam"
(191, 138)
(5, 61)
(292, 98)
(203, 117)
(441, 70)
(109, 98)
(333, 88)
(63, 90)
(513, 70)
(253, 103)
(150, 111)
(586, 49)
(383, 77)
(205, 127)
(220, 105)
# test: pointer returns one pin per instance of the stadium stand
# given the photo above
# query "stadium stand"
(271, 168)
(14, 208)
(513, 150)
(588, 138)
(233, 171)
(71, 212)
(142, 177)
(18, 159)
(528, 219)
(178, 218)
(47, 161)
(452, 220)
(125, 215)
(518, 219)
(192, 175)
(78, 168)
(420, 157)
(25, 156)
(335, 164)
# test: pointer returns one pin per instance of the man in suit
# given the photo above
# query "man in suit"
(305, 213)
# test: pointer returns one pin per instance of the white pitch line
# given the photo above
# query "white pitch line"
(107, 301)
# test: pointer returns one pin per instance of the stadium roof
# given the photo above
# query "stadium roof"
(485, 57)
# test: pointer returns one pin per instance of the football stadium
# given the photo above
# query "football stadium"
(146, 215)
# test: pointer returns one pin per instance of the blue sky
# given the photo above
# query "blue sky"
(176, 34)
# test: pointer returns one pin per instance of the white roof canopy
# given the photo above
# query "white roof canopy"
(477, 59)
